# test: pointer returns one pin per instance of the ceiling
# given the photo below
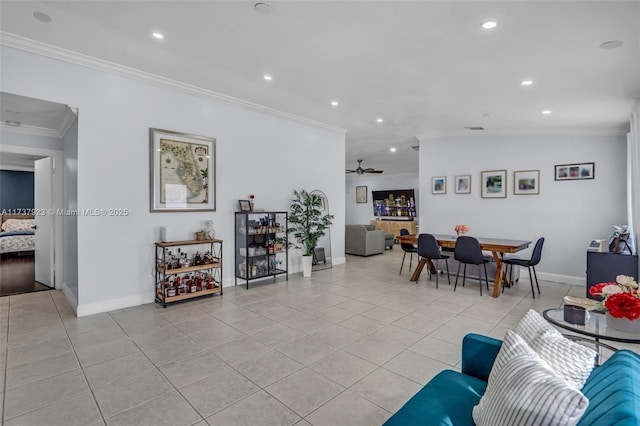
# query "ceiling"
(424, 67)
(33, 116)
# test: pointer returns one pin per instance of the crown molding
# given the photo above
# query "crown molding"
(524, 132)
(68, 119)
(50, 51)
(31, 130)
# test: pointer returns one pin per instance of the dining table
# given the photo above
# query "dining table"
(497, 246)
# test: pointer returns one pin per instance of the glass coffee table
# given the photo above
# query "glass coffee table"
(595, 329)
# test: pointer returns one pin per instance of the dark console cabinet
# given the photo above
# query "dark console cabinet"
(604, 267)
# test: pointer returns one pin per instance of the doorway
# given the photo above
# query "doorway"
(26, 240)
(42, 135)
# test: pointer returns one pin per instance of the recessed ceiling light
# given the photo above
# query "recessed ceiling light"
(392, 149)
(334, 103)
(489, 25)
(157, 35)
(263, 8)
(379, 120)
(611, 44)
(527, 83)
(267, 77)
(12, 123)
(546, 112)
(42, 17)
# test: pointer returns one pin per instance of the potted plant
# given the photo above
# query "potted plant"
(308, 224)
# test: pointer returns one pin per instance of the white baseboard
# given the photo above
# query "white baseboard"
(557, 278)
(113, 304)
(70, 297)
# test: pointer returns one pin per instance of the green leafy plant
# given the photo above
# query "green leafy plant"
(307, 222)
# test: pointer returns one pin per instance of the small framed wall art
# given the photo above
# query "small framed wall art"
(576, 171)
(361, 194)
(463, 184)
(494, 184)
(439, 185)
(182, 172)
(526, 182)
(245, 205)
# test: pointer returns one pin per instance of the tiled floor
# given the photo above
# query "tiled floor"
(353, 342)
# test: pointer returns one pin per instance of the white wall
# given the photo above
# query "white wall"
(70, 223)
(362, 213)
(569, 214)
(256, 154)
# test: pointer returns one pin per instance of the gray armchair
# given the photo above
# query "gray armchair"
(363, 240)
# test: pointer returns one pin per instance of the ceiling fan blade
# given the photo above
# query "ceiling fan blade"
(349, 171)
(373, 171)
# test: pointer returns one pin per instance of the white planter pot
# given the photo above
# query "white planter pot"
(306, 265)
(623, 324)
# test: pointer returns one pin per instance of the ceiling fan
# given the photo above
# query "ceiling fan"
(362, 171)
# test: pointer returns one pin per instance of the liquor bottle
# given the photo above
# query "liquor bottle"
(192, 280)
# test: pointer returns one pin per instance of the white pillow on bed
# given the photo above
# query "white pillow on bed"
(11, 225)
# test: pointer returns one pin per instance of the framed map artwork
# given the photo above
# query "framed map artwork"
(182, 172)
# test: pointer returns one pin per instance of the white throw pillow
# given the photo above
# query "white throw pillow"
(524, 392)
(512, 346)
(569, 360)
(533, 325)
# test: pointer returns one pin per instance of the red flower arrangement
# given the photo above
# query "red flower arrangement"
(623, 305)
(620, 298)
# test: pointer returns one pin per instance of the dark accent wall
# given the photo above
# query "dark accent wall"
(16, 190)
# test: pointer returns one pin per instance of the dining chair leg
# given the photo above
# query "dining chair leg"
(480, 279)
(435, 263)
(410, 260)
(533, 293)
(457, 275)
(486, 277)
(536, 277)
(446, 262)
(402, 264)
(464, 274)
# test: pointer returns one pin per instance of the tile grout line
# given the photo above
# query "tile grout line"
(156, 367)
(56, 375)
(6, 358)
(79, 363)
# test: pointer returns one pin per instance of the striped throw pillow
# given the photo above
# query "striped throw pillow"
(525, 393)
(512, 346)
(569, 360)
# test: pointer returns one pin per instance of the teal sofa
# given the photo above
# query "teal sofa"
(613, 390)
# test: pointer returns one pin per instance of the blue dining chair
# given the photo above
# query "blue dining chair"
(468, 252)
(428, 249)
(407, 248)
(536, 256)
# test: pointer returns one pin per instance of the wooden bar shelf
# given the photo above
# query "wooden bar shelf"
(187, 282)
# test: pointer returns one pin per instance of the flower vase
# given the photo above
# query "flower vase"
(623, 324)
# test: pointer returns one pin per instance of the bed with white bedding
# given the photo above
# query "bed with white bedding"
(17, 234)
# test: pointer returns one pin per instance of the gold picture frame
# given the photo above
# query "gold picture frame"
(361, 194)
(494, 184)
(182, 172)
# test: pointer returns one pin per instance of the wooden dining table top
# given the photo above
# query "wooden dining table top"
(499, 245)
